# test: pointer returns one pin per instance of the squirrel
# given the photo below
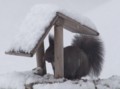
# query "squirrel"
(82, 57)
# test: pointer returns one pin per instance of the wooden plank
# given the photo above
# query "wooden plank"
(58, 51)
(20, 53)
(29, 86)
(40, 60)
(76, 27)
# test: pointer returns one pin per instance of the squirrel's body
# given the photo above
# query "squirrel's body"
(83, 56)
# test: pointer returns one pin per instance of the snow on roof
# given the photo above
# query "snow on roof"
(18, 80)
(33, 27)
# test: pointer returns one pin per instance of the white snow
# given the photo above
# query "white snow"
(111, 83)
(18, 80)
(13, 80)
(33, 27)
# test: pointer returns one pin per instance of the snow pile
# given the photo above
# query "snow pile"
(33, 27)
(13, 80)
(66, 85)
(111, 83)
(18, 80)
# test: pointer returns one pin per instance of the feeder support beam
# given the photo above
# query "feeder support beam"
(58, 50)
(40, 60)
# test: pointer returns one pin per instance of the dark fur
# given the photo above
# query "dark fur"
(83, 56)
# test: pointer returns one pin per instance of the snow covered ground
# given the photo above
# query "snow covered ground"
(18, 80)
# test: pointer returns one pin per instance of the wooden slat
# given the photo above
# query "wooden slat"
(40, 60)
(76, 27)
(58, 51)
(19, 53)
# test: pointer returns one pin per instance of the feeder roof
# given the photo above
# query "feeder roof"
(38, 23)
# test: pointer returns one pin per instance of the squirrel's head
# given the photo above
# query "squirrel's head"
(49, 54)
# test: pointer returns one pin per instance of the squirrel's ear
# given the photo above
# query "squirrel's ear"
(51, 40)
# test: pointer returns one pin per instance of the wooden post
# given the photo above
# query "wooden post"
(28, 86)
(40, 60)
(58, 50)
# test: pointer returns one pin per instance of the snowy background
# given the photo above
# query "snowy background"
(104, 13)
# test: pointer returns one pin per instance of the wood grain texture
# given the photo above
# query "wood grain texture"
(76, 27)
(39, 58)
(58, 50)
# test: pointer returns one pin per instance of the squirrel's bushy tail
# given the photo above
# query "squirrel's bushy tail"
(93, 48)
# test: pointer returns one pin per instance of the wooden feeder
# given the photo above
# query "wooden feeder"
(60, 21)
